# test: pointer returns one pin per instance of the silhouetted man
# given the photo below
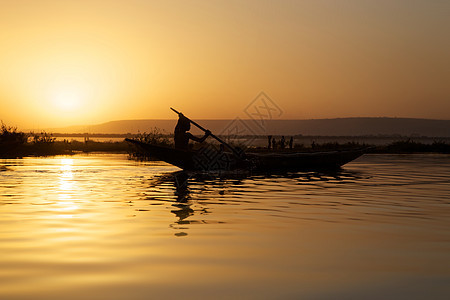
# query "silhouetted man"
(182, 136)
(282, 142)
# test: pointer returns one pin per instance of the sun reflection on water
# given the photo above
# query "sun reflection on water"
(67, 188)
(66, 164)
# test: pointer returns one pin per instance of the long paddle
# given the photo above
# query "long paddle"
(237, 153)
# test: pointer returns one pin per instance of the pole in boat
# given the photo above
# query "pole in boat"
(237, 153)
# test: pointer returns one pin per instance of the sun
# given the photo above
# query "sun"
(67, 100)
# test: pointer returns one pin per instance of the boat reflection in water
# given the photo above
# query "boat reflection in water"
(201, 189)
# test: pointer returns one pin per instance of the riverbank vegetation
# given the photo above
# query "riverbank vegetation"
(14, 144)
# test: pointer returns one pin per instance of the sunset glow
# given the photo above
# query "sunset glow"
(66, 63)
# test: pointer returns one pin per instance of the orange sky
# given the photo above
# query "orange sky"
(86, 62)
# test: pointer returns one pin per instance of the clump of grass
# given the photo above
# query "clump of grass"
(11, 141)
(155, 137)
(42, 138)
(42, 144)
(410, 146)
(441, 147)
(9, 134)
(333, 146)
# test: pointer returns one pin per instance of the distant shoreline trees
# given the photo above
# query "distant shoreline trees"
(16, 144)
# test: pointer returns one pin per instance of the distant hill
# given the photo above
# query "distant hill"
(316, 127)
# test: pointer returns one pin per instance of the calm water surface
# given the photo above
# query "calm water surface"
(105, 227)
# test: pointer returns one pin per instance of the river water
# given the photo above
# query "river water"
(105, 227)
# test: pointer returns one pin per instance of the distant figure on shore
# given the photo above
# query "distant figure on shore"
(282, 142)
(182, 136)
(291, 142)
(269, 142)
(274, 144)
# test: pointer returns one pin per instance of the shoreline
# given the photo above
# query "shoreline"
(75, 147)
